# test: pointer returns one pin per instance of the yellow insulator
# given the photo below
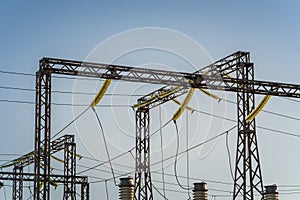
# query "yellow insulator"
(178, 103)
(53, 183)
(138, 105)
(161, 95)
(184, 104)
(259, 107)
(57, 159)
(101, 93)
(168, 92)
(209, 94)
(41, 185)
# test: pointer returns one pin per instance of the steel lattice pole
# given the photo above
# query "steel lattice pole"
(42, 129)
(143, 183)
(248, 178)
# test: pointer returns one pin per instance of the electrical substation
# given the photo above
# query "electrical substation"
(233, 73)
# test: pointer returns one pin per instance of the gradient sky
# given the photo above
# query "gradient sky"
(269, 30)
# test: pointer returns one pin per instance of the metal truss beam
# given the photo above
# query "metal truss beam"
(30, 177)
(216, 79)
(66, 143)
(218, 76)
(55, 146)
(78, 180)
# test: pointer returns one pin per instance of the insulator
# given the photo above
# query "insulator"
(126, 189)
(200, 191)
(271, 192)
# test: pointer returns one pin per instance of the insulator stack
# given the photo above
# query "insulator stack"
(126, 189)
(271, 192)
(200, 191)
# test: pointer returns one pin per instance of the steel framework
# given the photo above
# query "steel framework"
(29, 177)
(66, 143)
(221, 75)
(70, 170)
(143, 184)
(18, 183)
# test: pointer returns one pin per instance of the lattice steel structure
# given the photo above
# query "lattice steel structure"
(17, 183)
(235, 73)
(29, 177)
(143, 184)
(68, 145)
(221, 75)
(70, 170)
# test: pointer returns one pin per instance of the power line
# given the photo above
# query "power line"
(176, 158)
(161, 151)
(105, 144)
(66, 104)
(197, 145)
(84, 93)
(16, 73)
(229, 157)
(68, 92)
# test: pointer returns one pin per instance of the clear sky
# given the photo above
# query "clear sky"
(269, 30)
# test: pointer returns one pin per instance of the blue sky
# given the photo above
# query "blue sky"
(71, 29)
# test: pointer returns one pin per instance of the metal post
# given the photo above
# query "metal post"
(247, 156)
(143, 184)
(18, 183)
(70, 170)
(85, 190)
(42, 135)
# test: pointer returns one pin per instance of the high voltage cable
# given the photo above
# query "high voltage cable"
(268, 129)
(117, 94)
(68, 92)
(170, 157)
(162, 195)
(260, 127)
(161, 151)
(197, 145)
(33, 75)
(187, 153)
(105, 144)
(269, 112)
(67, 104)
(124, 153)
(27, 89)
(176, 158)
(229, 157)
(273, 130)
(156, 172)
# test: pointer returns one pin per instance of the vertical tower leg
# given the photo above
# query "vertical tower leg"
(248, 179)
(85, 190)
(69, 170)
(42, 136)
(18, 183)
(143, 184)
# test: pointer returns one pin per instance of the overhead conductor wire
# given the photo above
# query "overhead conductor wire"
(187, 153)
(162, 153)
(174, 118)
(105, 144)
